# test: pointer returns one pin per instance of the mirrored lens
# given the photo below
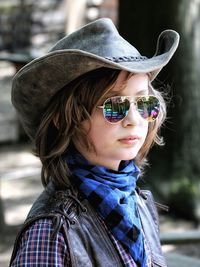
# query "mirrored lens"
(148, 107)
(116, 108)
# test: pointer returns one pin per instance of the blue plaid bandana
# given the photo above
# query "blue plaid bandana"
(112, 194)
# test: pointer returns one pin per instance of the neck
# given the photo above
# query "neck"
(98, 161)
(112, 165)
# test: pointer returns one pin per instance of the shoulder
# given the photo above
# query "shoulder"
(146, 201)
(44, 226)
(36, 245)
(48, 201)
(147, 207)
(40, 231)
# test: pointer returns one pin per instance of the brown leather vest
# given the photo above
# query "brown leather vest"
(88, 242)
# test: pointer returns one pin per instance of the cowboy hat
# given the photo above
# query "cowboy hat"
(97, 44)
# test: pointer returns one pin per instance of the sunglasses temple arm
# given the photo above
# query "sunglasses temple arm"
(100, 107)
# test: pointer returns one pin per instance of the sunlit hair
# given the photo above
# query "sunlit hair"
(61, 124)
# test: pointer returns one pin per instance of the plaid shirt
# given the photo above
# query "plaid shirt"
(37, 250)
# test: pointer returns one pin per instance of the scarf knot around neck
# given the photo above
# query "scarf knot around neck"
(112, 194)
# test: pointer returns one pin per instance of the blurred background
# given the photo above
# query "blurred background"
(28, 28)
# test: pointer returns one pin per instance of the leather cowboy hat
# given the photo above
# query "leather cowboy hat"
(97, 44)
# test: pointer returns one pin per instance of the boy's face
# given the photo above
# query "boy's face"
(123, 140)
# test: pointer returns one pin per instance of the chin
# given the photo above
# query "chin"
(129, 156)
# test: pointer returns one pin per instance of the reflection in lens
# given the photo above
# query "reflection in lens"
(115, 109)
(148, 107)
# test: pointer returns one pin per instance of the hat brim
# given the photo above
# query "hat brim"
(36, 83)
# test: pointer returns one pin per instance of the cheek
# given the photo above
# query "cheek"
(145, 130)
(101, 132)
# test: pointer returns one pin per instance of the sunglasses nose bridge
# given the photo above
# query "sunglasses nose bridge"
(132, 101)
(132, 116)
(132, 105)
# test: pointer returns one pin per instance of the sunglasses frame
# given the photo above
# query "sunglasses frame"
(133, 101)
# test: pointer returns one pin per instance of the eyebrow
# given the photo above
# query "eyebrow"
(139, 92)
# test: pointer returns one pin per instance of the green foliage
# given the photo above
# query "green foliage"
(182, 198)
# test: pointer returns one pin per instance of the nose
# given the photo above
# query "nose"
(133, 117)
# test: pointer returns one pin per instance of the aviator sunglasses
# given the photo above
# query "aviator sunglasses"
(116, 108)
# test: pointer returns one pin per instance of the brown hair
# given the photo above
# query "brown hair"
(61, 122)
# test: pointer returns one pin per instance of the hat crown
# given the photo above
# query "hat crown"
(90, 37)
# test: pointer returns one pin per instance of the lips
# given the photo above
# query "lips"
(130, 137)
(129, 140)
